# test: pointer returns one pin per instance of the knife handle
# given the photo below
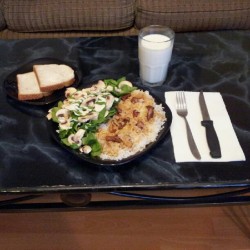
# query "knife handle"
(212, 139)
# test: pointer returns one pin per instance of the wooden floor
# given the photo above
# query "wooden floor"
(200, 228)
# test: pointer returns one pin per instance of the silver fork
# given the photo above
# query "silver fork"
(182, 111)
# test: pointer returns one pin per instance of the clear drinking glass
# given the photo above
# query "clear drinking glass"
(155, 45)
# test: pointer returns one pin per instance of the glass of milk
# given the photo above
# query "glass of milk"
(155, 50)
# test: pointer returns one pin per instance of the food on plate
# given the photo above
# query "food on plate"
(110, 120)
(136, 124)
(54, 76)
(43, 80)
(28, 87)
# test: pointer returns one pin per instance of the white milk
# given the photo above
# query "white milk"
(155, 52)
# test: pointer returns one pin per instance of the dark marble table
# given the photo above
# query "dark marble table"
(32, 163)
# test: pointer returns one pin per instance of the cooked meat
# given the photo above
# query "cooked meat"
(114, 138)
(150, 113)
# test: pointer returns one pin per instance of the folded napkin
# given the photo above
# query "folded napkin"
(230, 147)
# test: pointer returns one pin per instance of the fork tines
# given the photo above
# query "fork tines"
(181, 100)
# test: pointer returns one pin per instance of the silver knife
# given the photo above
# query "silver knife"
(212, 138)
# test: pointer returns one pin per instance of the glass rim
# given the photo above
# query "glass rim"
(171, 32)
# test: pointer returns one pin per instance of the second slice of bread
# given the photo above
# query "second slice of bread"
(28, 87)
(54, 76)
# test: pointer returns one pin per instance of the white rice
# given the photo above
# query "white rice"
(155, 127)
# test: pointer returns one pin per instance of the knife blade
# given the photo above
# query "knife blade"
(212, 138)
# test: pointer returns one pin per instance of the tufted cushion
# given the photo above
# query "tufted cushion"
(182, 15)
(62, 15)
(2, 20)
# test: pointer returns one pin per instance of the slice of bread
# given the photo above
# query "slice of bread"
(54, 76)
(28, 87)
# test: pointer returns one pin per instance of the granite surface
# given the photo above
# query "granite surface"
(211, 61)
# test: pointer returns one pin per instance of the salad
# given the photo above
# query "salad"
(83, 111)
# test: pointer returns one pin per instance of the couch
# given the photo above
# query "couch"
(68, 18)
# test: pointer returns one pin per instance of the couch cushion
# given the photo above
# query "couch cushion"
(182, 15)
(2, 20)
(61, 15)
(8, 34)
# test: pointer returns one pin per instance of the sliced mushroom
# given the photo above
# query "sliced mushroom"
(110, 88)
(66, 103)
(62, 120)
(82, 119)
(86, 118)
(123, 83)
(85, 91)
(100, 85)
(62, 115)
(70, 91)
(83, 112)
(77, 137)
(109, 101)
(90, 101)
(79, 134)
(78, 94)
(66, 125)
(86, 149)
(92, 116)
(72, 106)
(71, 139)
(118, 90)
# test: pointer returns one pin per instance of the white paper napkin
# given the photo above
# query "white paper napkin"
(230, 147)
